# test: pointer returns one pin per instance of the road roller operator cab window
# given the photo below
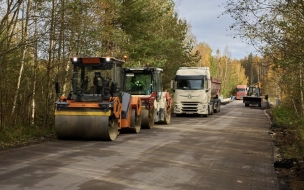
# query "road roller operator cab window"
(138, 83)
(89, 83)
(95, 79)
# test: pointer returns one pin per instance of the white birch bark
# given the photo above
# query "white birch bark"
(35, 69)
(67, 68)
(24, 51)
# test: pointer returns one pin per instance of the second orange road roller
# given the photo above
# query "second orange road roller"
(146, 83)
(96, 108)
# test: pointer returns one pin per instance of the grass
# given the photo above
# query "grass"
(292, 126)
(19, 135)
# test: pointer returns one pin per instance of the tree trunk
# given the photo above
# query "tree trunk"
(35, 67)
(23, 54)
(301, 89)
(48, 86)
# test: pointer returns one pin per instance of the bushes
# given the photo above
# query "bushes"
(291, 127)
(20, 135)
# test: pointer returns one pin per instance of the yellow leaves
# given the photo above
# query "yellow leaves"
(205, 53)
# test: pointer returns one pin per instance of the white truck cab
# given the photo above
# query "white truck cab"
(193, 92)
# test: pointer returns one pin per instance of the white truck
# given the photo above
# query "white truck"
(195, 92)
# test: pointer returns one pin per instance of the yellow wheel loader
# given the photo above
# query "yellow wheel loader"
(253, 96)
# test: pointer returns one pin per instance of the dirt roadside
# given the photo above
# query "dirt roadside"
(290, 171)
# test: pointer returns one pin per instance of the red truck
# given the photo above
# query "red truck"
(240, 91)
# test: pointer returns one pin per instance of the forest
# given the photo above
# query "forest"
(38, 38)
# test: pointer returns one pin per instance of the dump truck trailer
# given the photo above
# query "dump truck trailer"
(96, 108)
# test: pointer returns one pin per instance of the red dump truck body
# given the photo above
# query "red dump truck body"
(215, 87)
(240, 92)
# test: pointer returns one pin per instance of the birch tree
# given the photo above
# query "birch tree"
(24, 51)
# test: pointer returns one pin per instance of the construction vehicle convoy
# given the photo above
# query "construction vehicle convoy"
(253, 96)
(146, 83)
(240, 91)
(96, 108)
(196, 92)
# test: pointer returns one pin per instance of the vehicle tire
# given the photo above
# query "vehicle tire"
(211, 109)
(135, 121)
(167, 117)
(246, 105)
(147, 119)
(217, 107)
(112, 128)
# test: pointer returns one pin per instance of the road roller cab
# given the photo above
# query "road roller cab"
(146, 83)
(96, 108)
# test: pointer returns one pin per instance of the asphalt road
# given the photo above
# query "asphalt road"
(228, 150)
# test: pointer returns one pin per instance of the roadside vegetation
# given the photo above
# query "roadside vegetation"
(288, 137)
(21, 136)
(291, 125)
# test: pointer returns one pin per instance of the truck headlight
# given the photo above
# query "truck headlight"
(176, 108)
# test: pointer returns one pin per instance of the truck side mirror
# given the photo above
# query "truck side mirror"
(172, 84)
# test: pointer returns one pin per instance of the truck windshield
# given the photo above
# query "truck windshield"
(190, 84)
(240, 89)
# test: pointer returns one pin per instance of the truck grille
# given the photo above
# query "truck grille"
(189, 107)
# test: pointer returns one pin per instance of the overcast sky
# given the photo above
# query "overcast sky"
(207, 27)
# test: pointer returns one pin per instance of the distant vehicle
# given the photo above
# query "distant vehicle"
(240, 92)
(195, 92)
(253, 96)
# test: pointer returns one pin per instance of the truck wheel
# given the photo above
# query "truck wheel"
(218, 107)
(215, 110)
(246, 105)
(211, 109)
